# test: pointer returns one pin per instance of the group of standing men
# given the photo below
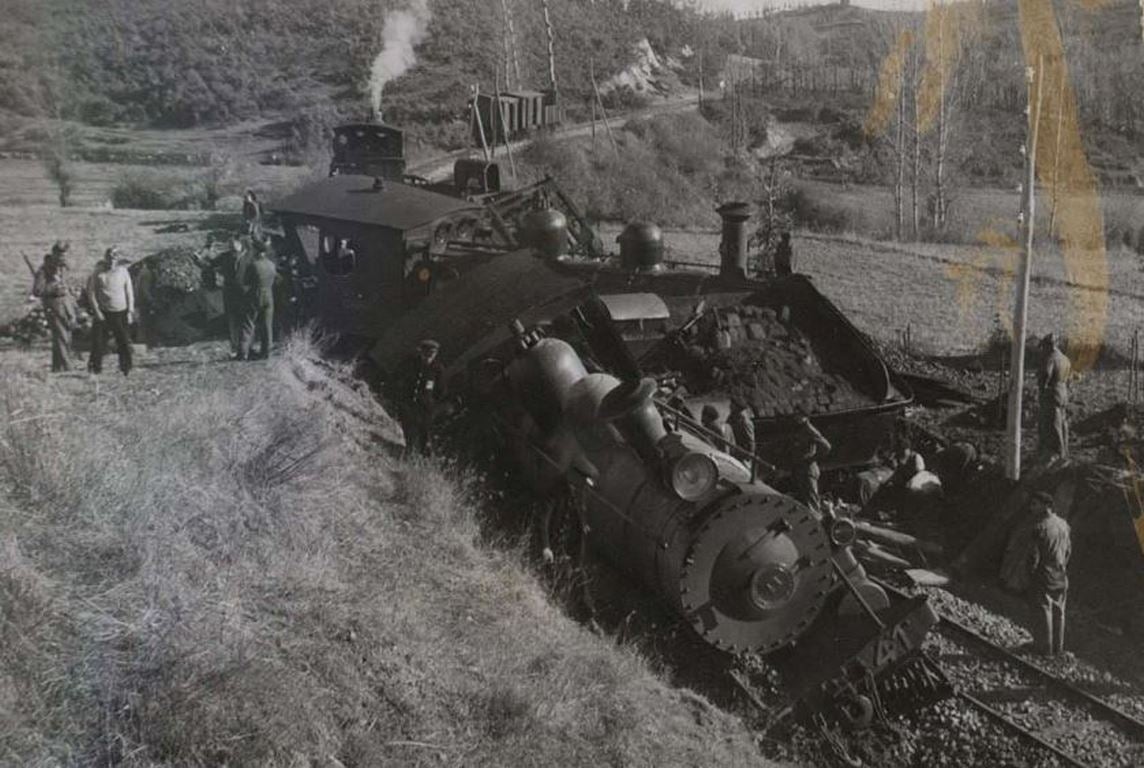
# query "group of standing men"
(248, 274)
(109, 296)
(247, 269)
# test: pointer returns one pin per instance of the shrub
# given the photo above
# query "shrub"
(163, 191)
(817, 214)
(58, 164)
(133, 191)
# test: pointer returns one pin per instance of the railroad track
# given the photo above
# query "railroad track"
(1042, 709)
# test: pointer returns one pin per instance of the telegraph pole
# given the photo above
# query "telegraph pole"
(1035, 79)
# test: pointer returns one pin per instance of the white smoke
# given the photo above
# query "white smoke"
(402, 31)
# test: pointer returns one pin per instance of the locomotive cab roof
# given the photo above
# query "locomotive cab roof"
(361, 200)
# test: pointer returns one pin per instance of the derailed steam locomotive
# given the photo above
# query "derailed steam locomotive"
(584, 369)
(562, 371)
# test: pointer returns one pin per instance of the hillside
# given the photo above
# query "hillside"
(180, 63)
(209, 563)
(818, 60)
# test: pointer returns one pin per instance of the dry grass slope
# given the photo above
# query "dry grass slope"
(220, 567)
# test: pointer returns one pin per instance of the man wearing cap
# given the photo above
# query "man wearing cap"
(50, 286)
(1048, 575)
(112, 300)
(1052, 387)
(257, 282)
(742, 421)
(709, 418)
(420, 387)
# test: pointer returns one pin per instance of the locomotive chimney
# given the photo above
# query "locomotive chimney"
(733, 246)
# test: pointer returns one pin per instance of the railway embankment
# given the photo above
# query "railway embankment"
(210, 562)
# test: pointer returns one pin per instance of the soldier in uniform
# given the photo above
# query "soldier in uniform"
(258, 289)
(1048, 575)
(51, 287)
(421, 387)
(231, 264)
(1052, 387)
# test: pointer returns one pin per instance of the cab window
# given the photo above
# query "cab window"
(337, 255)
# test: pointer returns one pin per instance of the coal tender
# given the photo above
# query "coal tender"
(575, 367)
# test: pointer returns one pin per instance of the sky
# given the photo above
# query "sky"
(749, 6)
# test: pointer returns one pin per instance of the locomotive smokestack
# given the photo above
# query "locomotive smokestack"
(733, 246)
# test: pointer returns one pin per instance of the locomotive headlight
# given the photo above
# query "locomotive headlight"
(692, 476)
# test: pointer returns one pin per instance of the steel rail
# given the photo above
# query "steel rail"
(1110, 712)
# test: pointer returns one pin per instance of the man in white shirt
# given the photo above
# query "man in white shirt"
(112, 300)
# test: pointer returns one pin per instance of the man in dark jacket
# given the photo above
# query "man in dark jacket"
(1048, 577)
(252, 215)
(258, 289)
(230, 265)
(784, 256)
(420, 389)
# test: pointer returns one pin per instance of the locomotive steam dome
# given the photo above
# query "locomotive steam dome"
(546, 230)
(641, 247)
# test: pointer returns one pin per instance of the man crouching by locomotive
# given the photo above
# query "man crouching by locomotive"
(420, 385)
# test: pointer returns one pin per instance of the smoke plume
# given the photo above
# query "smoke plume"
(402, 31)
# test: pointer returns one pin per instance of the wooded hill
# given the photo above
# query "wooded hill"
(181, 63)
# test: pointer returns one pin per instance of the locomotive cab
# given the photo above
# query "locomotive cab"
(368, 149)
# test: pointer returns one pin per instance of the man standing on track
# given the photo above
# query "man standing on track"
(112, 300)
(1048, 577)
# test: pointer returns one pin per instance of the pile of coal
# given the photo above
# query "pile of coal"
(173, 270)
(751, 353)
(177, 302)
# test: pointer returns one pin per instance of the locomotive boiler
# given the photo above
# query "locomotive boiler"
(749, 567)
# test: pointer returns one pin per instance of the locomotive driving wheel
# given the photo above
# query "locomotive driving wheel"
(757, 574)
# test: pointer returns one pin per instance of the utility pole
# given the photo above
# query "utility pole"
(510, 34)
(592, 78)
(1057, 152)
(603, 113)
(1035, 79)
(551, 52)
(701, 75)
(476, 91)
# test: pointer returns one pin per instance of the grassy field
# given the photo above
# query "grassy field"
(952, 297)
(211, 563)
(31, 219)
